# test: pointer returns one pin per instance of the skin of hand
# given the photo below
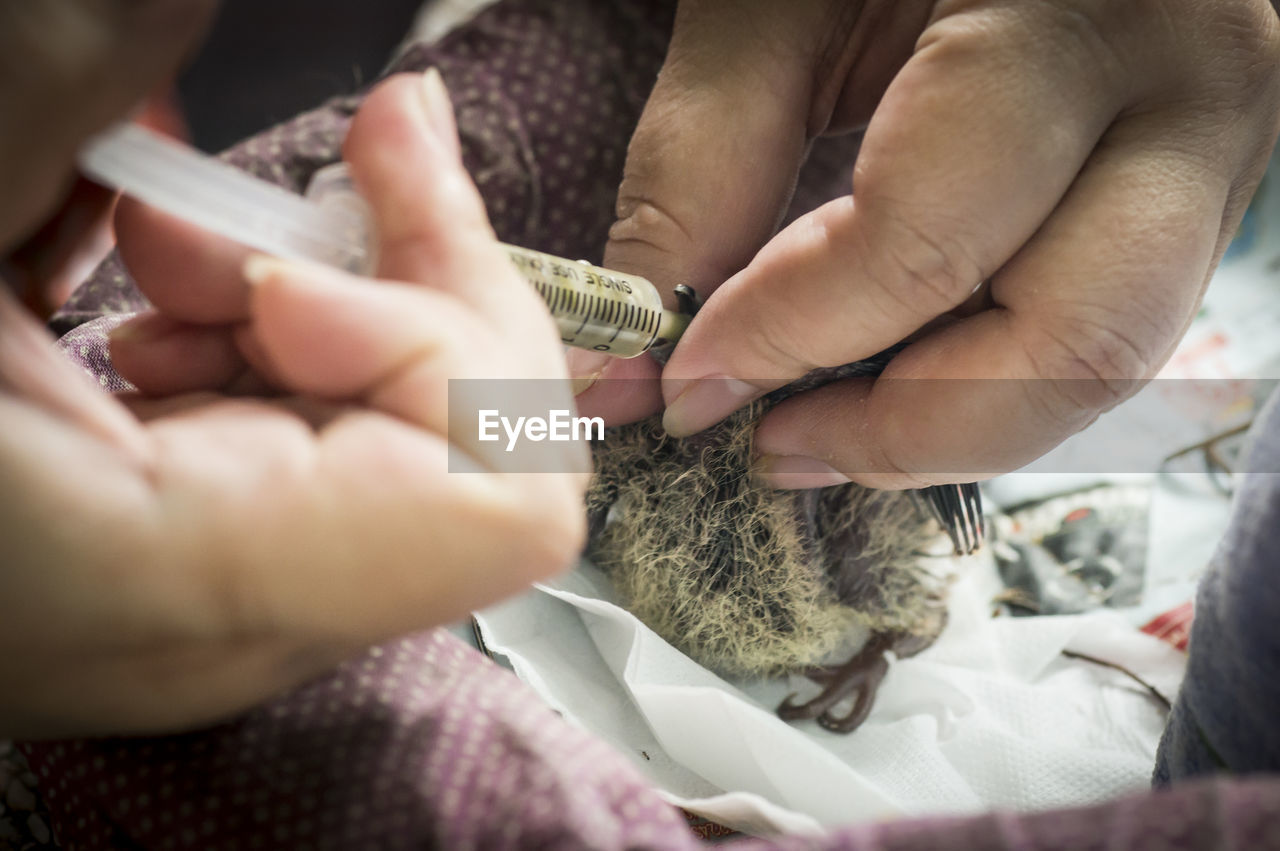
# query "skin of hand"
(284, 490)
(1042, 192)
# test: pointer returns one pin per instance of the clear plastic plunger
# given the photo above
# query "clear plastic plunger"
(595, 308)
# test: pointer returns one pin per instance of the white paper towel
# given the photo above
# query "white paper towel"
(991, 716)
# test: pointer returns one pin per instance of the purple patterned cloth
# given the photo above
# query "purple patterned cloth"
(424, 743)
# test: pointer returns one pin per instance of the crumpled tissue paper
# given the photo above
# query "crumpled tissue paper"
(991, 716)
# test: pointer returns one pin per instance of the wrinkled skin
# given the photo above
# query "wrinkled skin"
(1042, 193)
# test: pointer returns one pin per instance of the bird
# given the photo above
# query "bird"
(750, 581)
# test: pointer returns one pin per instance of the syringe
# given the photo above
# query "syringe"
(595, 308)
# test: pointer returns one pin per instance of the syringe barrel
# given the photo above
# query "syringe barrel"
(599, 309)
(594, 308)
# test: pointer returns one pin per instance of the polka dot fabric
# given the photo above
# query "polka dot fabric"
(424, 743)
(421, 743)
(87, 346)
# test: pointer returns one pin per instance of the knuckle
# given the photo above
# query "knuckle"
(1161, 49)
(919, 273)
(645, 222)
(1080, 40)
(889, 465)
(785, 340)
(1087, 28)
(1229, 50)
(1248, 30)
(1088, 364)
(1234, 51)
(1260, 83)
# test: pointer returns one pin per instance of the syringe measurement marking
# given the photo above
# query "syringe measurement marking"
(617, 329)
(586, 314)
(651, 327)
(594, 309)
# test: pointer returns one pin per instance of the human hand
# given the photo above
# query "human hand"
(1067, 173)
(280, 496)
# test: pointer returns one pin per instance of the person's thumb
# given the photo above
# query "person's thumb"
(714, 159)
(710, 169)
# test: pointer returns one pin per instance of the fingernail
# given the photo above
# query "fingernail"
(145, 328)
(793, 472)
(259, 268)
(439, 111)
(585, 368)
(582, 383)
(704, 402)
